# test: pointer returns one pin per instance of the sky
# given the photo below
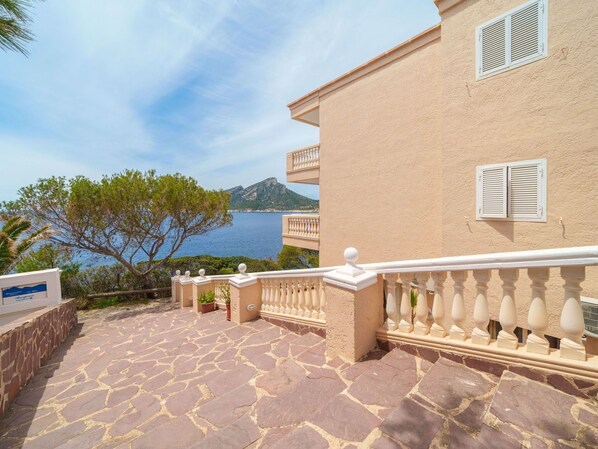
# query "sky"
(190, 86)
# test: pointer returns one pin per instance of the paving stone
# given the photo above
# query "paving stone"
(266, 336)
(144, 407)
(56, 437)
(297, 403)
(448, 383)
(314, 356)
(84, 405)
(490, 438)
(302, 438)
(345, 419)
(231, 379)
(518, 400)
(412, 425)
(239, 434)
(473, 415)
(179, 433)
(225, 409)
(87, 440)
(281, 377)
(183, 402)
(459, 438)
(385, 443)
(264, 363)
(123, 394)
(273, 435)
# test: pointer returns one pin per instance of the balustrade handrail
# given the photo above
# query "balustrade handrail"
(306, 157)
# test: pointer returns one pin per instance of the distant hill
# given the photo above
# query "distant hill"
(269, 195)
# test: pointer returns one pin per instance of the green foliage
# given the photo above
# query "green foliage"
(291, 257)
(413, 298)
(14, 22)
(207, 297)
(269, 195)
(225, 292)
(17, 236)
(219, 265)
(127, 216)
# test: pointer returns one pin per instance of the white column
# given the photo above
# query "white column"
(458, 309)
(572, 322)
(405, 323)
(537, 317)
(287, 292)
(421, 308)
(299, 285)
(481, 316)
(508, 311)
(322, 296)
(437, 329)
(276, 294)
(391, 301)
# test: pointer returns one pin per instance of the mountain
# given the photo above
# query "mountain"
(269, 195)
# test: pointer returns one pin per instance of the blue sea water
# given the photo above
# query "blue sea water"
(252, 234)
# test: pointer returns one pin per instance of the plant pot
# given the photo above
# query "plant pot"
(228, 312)
(205, 308)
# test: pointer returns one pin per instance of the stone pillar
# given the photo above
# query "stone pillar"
(421, 308)
(245, 296)
(537, 317)
(174, 286)
(508, 311)
(354, 309)
(437, 329)
(186, 290)
(456, 331)
(481, 315)
(391, 301)
(572, 322)
(405, 325)
(200, 285)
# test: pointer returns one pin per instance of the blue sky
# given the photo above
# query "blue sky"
(196, 87)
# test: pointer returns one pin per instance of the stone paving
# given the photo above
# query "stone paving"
(159, 377)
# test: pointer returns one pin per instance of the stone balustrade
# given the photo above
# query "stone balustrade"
(303, 225)
(307, 157)
(287, 296)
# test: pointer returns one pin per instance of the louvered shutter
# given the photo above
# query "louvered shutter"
(526, 190)
(525, 33)
(493, 46)
(492, 192)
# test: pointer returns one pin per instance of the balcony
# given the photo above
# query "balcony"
(301, 230)
(303, 165)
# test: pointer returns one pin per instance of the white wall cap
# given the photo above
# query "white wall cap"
(201, 280)
(351, 276)
(242, 281)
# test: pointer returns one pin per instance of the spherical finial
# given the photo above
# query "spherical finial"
(177, 272)
(351, 255)
(242, 268)
(202, 272)
(187, 274)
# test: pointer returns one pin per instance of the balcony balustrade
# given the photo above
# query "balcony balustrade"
(303, 165)
(301, 230)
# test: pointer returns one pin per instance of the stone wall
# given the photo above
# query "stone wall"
(27, 342)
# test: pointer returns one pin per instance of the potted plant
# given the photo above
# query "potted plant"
(225, 293)
(207, 301)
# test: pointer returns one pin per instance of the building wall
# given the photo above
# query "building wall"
(380, 186)
(546, 109)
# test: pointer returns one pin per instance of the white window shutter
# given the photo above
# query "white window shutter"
(492, 191)
(493, 47)
(527, 190)
(526, 30)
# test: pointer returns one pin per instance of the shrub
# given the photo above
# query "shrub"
(207, 297)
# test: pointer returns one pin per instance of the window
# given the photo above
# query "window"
(513, 39)
(514, 191)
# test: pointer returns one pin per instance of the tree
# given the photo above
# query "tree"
(130, 216)
(14, 21)
(15, 242)
(291, 257)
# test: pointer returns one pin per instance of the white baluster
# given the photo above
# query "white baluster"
(293, 284)
(456, 331)
(437, 329)
(572, 322)
(315, 295)
(537, 317)
(391, 301)
(405, 308)
(421, 308)
(322, 294)
(508, 311)
(481, 315)
(301, 297)
(286, 290)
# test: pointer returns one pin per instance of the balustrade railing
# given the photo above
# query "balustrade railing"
(308, 157)
(303, 226)
(294, 296)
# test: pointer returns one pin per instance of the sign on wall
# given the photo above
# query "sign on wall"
(27, 292)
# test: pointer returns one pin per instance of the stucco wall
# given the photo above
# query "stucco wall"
(380, 187)
(546, 109)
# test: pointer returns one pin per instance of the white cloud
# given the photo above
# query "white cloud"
(189, 86)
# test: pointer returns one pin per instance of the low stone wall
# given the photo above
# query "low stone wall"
(27, 343)
(297, 328)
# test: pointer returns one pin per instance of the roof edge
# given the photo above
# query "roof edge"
(445, 5)
(404, 48)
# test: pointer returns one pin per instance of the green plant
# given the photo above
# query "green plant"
(413, 300)
(14, 22)
(207, 297)
(225, 292)
(15, 242)
(291, 257)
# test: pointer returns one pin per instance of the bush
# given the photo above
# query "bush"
(207, 297)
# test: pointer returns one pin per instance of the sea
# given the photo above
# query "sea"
(253, 234)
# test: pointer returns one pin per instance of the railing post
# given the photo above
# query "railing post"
(437, 329)
(421, 308)
(186, 290)
(405, 325)
(174, 286)
(537, 317)
(458, 308)
(246, 298)
(322, 297)
(354, 309)
(481, 316)
(508, 311)
(200, 285)
(391, 301)
(572, 321)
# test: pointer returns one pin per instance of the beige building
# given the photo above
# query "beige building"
(478, 135)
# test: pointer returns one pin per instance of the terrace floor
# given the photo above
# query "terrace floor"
(158, 377)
